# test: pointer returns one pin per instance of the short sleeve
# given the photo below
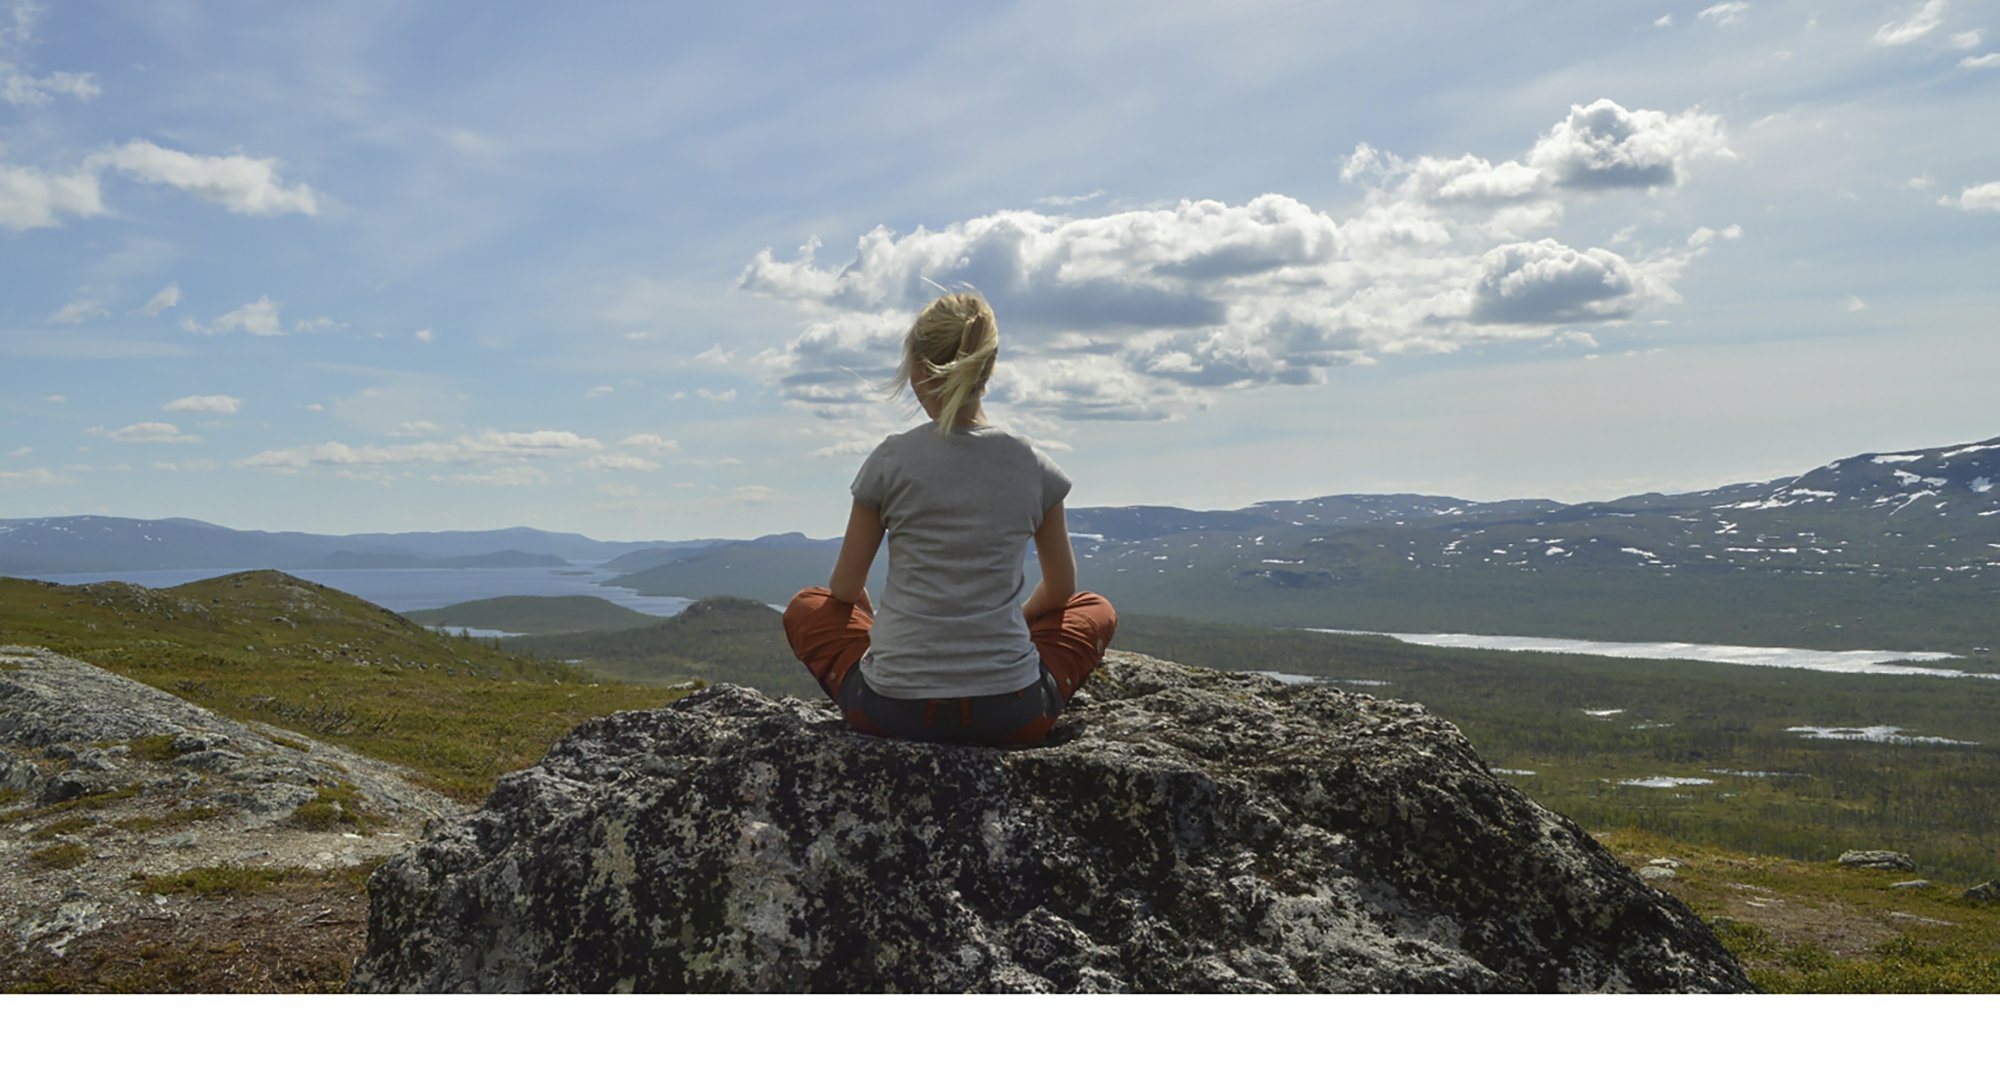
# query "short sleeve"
(871, 484)
(1055, 482)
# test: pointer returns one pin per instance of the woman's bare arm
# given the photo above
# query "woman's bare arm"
(849, 580)
(1058, 562)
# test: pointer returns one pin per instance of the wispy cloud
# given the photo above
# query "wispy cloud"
(259, 318)
(19, 85)
(78, 311)
(146, 432)
(466, 449)
(165, 299)
(1987, 60)
(1922, 22)
(212, 404)
(240, 183)
(1726, 14)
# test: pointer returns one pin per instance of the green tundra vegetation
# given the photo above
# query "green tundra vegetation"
(716, 639)
(262, 646)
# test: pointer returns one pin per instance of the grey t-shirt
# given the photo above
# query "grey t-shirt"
(959, 510)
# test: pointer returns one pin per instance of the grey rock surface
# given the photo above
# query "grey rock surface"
(1889, 860)
(1187, 831)
(161, 786)
(1988, 892)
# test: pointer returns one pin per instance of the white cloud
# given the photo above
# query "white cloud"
(1724, 14)
(198, 465)
(751, 494)
(23, 451)
(1546, 282)
(55, 398)
(19, 86)
(31, 198)
(1144, 314)
(315, 407)
(622, 461)
(317, 324)
(237, 182)
(1988, 60)
(214, 404)
(651, 442)
(619, 491)
(596, 391)
(166, 298)
(509, 476)
(1070, 201)
(466, 449)
(415, 428)
(259, 318)
(1604, 145)
(424, 335)
(1664, 21)
(711, 395)
(33, 477)
(1916, 26)
(853, 447)
(147, 432)
(78, 311)
(1975, 198)
(1969, 39)
(1854, 305)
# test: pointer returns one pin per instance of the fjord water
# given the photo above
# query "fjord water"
(1885, 662)
(409, 590)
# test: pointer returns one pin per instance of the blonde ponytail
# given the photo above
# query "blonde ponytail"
(953, 345)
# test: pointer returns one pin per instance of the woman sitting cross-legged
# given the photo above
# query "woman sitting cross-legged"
(949, 657)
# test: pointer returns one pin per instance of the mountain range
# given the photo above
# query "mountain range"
(1898, 549)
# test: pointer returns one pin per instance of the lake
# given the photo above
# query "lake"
(1845, 661)
(409, 590)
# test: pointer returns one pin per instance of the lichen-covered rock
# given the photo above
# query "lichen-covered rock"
(1887, 860)
(1988, 892)
(1187, 831)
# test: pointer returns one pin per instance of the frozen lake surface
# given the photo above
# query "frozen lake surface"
(1884, 662)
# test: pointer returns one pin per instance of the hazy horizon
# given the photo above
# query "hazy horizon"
(361, 267)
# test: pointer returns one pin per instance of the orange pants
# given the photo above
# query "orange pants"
(829, 637)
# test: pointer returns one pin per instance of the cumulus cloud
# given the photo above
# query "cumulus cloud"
(1604, 145)
(259, 318)
(424, 335)
(1975, 198)
(415, 428)
(1148, 314)
(651, 442)
(1664, 21)
(317, 324)
(22, 451)
(147, 432)
(1988, 60)
(509, 476)
(31, 198)
(1925, 20)
(1969, 39)
(165, 299)
(238, 182)
(1546, 283)
(213, 404)
(1723, 14)
(78, 311)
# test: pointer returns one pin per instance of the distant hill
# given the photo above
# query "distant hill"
(716, 639)
(1881, 550)
(30, 546)
(535, 615)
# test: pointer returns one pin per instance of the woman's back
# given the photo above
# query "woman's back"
(959, 510)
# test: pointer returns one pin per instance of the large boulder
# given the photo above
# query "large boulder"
(1187, 831)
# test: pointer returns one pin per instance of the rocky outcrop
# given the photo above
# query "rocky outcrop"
(1886, 860)
(1988, 892)
(103, 778)
(1186, 831)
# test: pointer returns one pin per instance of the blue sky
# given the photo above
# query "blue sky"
(633, 270)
